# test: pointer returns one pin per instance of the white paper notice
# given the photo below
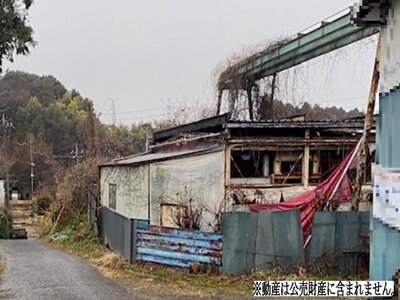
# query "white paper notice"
(386, 206)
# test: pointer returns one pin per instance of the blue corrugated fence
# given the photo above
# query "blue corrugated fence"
(177, 247)
(247, 241)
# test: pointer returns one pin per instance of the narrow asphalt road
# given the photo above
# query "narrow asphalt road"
(35, 270)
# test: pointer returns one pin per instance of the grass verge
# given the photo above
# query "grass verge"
(1, 265)
(82, 242)
(161, 281)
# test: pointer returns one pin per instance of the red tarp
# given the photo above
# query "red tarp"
(335, 189)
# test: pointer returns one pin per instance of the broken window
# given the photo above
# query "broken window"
(330, 160)
(250, 164)
(288, 167)
(112, 196)
(168, 212)
(291, 167)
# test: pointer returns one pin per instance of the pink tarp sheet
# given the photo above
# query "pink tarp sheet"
(317, 199)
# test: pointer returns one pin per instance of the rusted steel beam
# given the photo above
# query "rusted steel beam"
(332, 34)
(305, 160)
(297, 125)
(293, 141)
(291, 148)
(369, 119)
(263, 186)
(250, 101)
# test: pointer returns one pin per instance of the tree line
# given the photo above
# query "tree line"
(49, 122)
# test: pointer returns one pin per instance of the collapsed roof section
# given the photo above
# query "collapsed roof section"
(209, 125)
(256, 150)
(219, 124)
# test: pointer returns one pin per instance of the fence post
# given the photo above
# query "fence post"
(104, 215)
(128, 239)
(132, 256)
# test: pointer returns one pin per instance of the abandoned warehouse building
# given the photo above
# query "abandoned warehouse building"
(218, 165)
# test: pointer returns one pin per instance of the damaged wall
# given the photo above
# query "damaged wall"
(200, 178)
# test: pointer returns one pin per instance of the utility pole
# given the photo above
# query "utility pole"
(169, 110)
(92, 137)
(93, 156)
(32, 164)
(75, 154)
(6, 124)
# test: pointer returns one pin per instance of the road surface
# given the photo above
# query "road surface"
(35, 270)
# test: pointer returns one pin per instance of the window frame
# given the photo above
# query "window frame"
(112, 196)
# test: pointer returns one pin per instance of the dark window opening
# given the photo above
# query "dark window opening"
(330, 160)
(370, 161)
(290, 170)
(251, 164)
(291, 167)
(112, 196)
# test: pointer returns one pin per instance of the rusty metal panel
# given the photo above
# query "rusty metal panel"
(178, 247)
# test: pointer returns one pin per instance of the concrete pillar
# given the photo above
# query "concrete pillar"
(316, 159)
(227, 175)
(277, 163)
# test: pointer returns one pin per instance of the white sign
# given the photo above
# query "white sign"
(386, 206)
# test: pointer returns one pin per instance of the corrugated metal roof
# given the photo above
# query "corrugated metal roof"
(151, 157)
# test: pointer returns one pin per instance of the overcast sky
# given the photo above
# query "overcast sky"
(146, 54)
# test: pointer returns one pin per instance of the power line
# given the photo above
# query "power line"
(142, 118)
(142, 110)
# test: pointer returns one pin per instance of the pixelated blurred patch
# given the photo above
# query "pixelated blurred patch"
(372, 12)
(396, 279)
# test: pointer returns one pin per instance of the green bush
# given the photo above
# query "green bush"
(43, 201)
(5, 224)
